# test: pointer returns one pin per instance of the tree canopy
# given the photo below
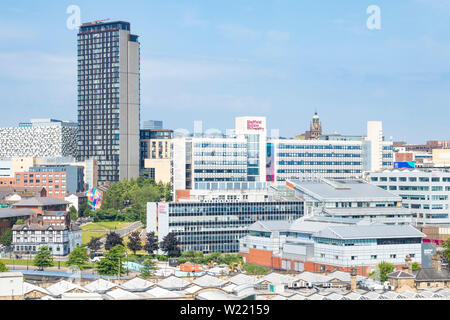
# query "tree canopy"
(446, 245)
(3, 267)
(94, 244)
(170, 245)
(43, 258)
(73, 214)
(151, 244)
(78, 257)
(111, 262)
(382, 270)
(134, 242)
(127, 200)
(6, 237)
(149, 265)
(113, 239)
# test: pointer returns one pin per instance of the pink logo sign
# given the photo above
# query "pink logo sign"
(254, 125)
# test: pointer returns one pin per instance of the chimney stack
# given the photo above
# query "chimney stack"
(436, 262)
(408, 263)
(353, 274)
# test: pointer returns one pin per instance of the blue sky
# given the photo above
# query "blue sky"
(215, 60)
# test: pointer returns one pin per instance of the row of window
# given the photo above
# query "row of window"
(410, 179)
(326, 147)
(321, 155)
(319, 163)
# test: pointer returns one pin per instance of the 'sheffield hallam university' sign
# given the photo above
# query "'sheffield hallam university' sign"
(254, 125)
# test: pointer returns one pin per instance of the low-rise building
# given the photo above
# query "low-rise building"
(355, 199)
(50, 225)
(318, 245)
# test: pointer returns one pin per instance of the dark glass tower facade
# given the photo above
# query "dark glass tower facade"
(109, 99)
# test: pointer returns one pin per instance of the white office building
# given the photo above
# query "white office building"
(249, 155)
(425, 192)
(354, 199)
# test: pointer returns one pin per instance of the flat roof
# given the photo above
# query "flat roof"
(374, 231)
(343, 190)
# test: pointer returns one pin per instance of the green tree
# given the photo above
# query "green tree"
(415, 266)
(84, 210)
(43, 258)
(151, 244)
(20, 221)
(78, 257)
(111, 262)
(130, 197)
(94, 244)
(382, 270)
(113, 239)
(3, 267)
(73, 214)
(6, 237)
(170, 245)
(134, 242)
(149, 265)
(446, 245)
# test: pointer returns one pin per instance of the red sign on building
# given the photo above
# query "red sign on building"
(254, 125)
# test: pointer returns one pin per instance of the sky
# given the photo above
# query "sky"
(216, 60)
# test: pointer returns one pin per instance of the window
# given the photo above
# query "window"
(373, 257)
(393, 256)
(354, 257)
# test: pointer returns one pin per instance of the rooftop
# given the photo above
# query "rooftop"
(40, 202)
(10, 213)
(374, 231)
(343, 190)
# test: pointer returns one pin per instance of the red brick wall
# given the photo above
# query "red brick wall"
(182, 194)
(403, 157)
(260, 257)
(266, 259)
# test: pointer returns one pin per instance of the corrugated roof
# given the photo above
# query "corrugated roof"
(161, 293)
(173, 282)
(137, 283)
(100, 285)
(64, 286)
(208, 281)
(241, 278)
(276, 278)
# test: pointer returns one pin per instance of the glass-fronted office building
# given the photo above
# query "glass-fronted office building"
(215, 226)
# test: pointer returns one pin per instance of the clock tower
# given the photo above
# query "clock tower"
(316, 128)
